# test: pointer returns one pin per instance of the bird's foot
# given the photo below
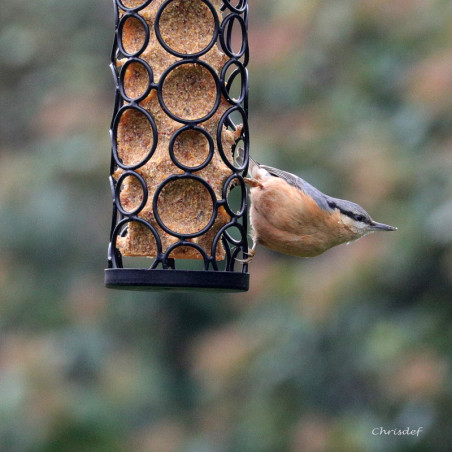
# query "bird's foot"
(251, 253)
(252, 182)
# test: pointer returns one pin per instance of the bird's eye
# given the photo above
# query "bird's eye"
(359, 217)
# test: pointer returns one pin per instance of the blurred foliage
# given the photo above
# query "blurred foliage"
(354, 96)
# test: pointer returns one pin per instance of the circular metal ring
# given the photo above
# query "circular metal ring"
(234, 255)
(209, 140)
(243, 197)
(117, 230)
(162, 81)
(231, 239)
(245, 134)
(112, 188)
(227, 249)
(115, 43)
(226, 35)
(197, 247)
(133, 10)
(187, 55)
(222, 233)
(239, 8)
(176, 177)
(123, 73)
(117, 193)
(114, 71)
(226, 84)
(116, 122)
(122, 22)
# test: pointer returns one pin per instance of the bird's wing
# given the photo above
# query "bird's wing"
(320, 198)
(290, 178)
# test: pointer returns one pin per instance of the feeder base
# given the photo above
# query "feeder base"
(176, 280)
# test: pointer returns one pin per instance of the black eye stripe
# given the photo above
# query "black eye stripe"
(362, 219)
(353, 216)
(348, 214)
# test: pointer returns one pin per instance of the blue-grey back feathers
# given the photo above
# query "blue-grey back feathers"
(324, 201)
(320, 198)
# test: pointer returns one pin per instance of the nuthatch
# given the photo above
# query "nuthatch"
(291, 216)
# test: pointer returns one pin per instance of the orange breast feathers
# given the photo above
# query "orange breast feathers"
(287, 220)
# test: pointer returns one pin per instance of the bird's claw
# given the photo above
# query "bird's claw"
(251, 253)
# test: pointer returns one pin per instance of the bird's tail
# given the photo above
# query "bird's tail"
(254, 169)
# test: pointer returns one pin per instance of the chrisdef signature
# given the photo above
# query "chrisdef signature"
(380, 431)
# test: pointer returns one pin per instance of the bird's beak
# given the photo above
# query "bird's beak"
(382, 227)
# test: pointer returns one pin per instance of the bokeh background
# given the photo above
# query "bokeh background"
(355, 96)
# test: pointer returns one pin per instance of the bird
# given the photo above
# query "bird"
(290, 216)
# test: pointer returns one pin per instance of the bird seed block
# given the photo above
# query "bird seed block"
(189, 91)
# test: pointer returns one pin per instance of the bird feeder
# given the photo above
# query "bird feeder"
(180, 116)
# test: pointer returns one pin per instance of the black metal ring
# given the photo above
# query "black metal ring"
(112, 188)
(114, 71)
(209, 140)
(235, 253)
(123, 73)
(226, 35)
(227, 249)
(223, 233)
(117, 193)
(226, 84)
(181, 244)
(175, 177)
(239, 8)
(115, 210)
(122, 22)
(244, 137)
(243, 197)
(231, 239)
(175, 52)
(116, 122)
(133, 10)
(162, 81)
(117, 229)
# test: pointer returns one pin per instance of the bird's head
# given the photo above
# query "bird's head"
(356, 219)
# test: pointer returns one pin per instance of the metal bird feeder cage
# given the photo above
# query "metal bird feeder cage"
(180, 116)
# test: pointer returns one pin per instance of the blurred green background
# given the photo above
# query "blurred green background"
(355, 96)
